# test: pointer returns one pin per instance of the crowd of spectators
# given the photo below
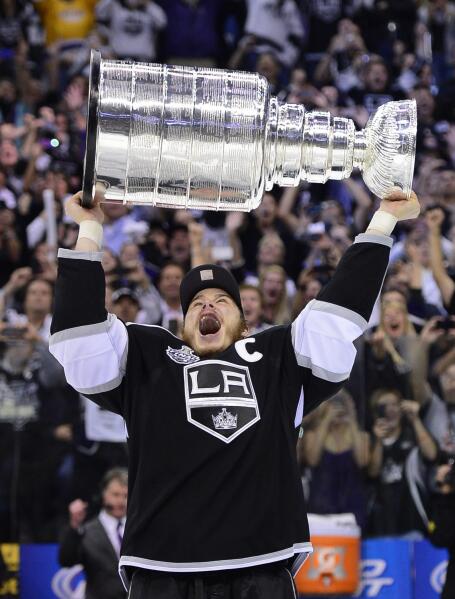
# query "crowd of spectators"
(372, 450)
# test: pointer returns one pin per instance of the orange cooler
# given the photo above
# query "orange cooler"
(333, 567)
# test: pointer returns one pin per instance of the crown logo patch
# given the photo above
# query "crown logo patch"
(184, 355)
(224, 420)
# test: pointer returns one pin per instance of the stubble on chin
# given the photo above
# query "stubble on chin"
(203, 352)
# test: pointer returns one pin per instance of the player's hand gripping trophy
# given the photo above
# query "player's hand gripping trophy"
(181, 137)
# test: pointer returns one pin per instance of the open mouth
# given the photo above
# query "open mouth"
(209, 325)
(394, 327)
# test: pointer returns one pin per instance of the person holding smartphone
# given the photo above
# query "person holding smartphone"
(337, 450)
(38, 411)
(397, 429)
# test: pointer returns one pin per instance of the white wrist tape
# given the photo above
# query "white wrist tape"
(90, 229)
(383, 222)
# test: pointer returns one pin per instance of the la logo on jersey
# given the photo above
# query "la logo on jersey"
(220, 398)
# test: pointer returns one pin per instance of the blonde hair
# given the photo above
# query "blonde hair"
(281, 312)
(272, 237)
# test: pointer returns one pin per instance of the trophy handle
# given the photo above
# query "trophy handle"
(91, 132)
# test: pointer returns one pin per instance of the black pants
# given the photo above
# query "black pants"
(249, 583)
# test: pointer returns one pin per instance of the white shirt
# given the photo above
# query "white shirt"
(102, 425)
(274, 21)
(109, 523)
(132, 32)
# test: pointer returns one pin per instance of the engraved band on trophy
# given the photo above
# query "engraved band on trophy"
(212, 139)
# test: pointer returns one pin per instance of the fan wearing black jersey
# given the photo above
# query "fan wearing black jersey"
(215, 505)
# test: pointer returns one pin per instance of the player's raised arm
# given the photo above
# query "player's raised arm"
(324, 331)
(90, 344)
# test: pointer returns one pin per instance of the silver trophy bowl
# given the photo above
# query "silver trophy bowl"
(210, 139)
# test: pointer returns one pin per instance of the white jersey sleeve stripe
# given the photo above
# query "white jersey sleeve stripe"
(102, 388)
(83, 331)
(345, 313)
(323, 373)
(93, 356)
(78, 255)
(322, 337)
(374, 238)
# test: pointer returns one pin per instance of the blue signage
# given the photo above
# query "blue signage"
(430, 565)
(386, 569)
(41, 576)
(390, 569)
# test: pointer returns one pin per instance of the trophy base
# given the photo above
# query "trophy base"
(91, 135)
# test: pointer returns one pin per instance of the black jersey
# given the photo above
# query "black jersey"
(213, 476)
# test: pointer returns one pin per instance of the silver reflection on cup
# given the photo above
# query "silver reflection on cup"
(186, 137)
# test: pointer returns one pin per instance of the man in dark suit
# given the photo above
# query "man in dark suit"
(96, 544)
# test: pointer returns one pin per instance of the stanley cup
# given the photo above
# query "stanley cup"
(182, 137)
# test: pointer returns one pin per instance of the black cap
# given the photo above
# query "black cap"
(124, 292)
(205, 277)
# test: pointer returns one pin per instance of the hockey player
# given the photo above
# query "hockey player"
(215, 503)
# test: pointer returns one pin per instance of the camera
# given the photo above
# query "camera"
(380, 411)
(173, 326)
(446, 324)
(316, 230)
(449, 478)
(14, 333)
(124, 271)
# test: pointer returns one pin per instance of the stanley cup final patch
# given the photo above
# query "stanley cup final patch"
(220, 398)
(184, 355)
